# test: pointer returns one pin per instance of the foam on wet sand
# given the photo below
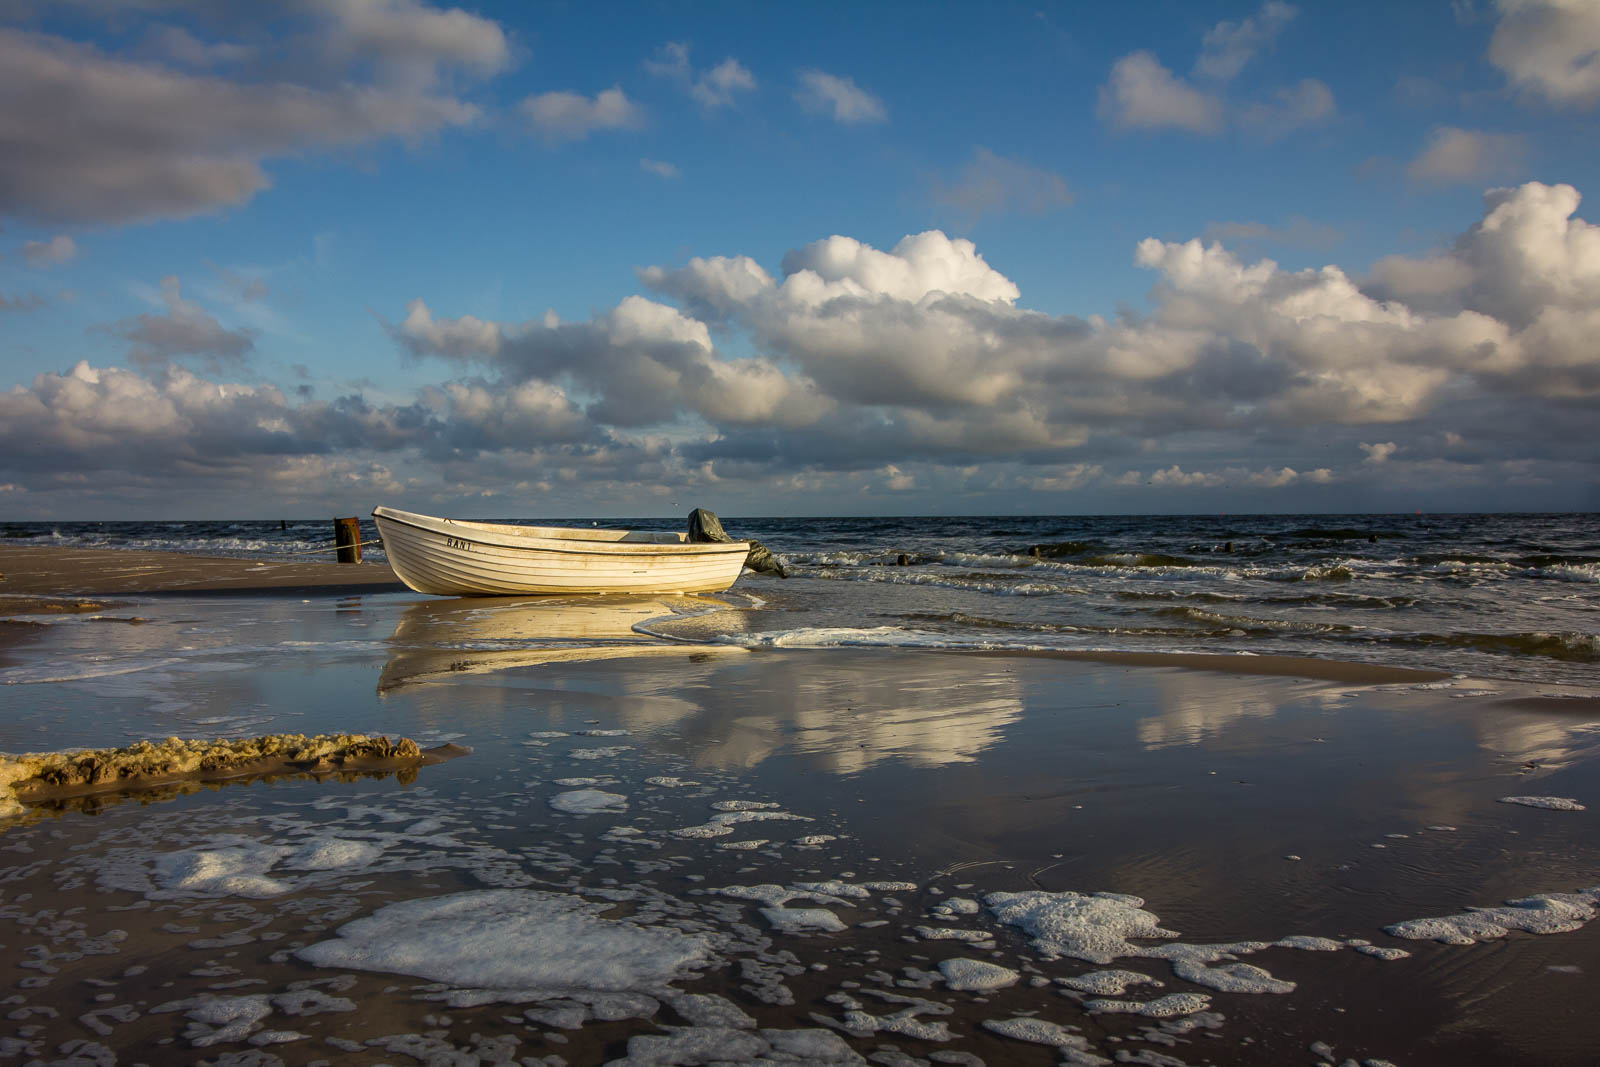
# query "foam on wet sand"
(520, 944)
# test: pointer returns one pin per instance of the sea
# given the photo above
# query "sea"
(801, 821)
(1513, 596)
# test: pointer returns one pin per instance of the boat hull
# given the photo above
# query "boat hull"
(453, 557)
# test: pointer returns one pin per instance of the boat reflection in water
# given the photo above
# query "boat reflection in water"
(475, 635)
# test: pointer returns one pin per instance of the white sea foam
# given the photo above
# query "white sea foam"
(1106, 983)
(952, 906)
(1546, 913)
(722, 823)
(948, 933)
(589, 802)
(1093, 927)
(609, 752)
(969, 975)
(1160, 1008)
(1310, 944)
(236, 870)
(332, 853)
(802, 920)
(1036, 1031)
(520, 943)
(1383, 952)
(1547, 803)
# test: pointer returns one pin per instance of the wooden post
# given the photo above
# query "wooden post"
(347, 538)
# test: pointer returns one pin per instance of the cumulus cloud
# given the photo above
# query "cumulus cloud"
(59, 249)
(1529, 258)
(841, 97)
(563, 116)
(717, 86)
(1550, 49)
(712, 89)
(1228, 46)
(1379, 452)
(992, 183)
(919, 366)
(1143, 94)
(103, 138)
(184, 330)
(1457, 155)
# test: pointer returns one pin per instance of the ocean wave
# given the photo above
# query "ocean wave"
(1141, 560)
(1334, 533)
(1000, 585)
(1328, 572)
(1330, 598)
(1251, 624)
(1062, 548)
(981, 623)
(866, 637)
(1568, 646)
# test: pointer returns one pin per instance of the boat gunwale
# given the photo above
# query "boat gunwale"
(487, 535)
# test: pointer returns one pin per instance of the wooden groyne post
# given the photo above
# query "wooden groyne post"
(347, 539)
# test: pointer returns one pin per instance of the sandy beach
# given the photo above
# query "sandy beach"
(662, 852)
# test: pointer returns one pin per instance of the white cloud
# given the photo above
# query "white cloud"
(1528, 257)
(1457, 155)
(1308, 103)
(1550, 49)
(897, 480)
(1175, 477)
(659, 168)
(1228, 46)
(920, 265)
(712, 89)
(103, 138)
(1379, 452)
(841, 97)
(59, 249)
(461, 338)
(992, 183)
(563, 116)
(184, 330)
(1142, 94)
(718, 85)
(671, 61)
(1243, 377)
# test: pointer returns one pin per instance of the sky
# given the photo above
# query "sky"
(542, 260)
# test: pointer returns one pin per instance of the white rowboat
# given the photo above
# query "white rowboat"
(455, 557)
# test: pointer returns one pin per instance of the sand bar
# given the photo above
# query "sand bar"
(52, 570)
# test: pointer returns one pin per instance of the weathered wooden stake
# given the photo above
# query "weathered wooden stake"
(347, 539)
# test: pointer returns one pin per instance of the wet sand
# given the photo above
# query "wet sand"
(778, 844)
(55, 571)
